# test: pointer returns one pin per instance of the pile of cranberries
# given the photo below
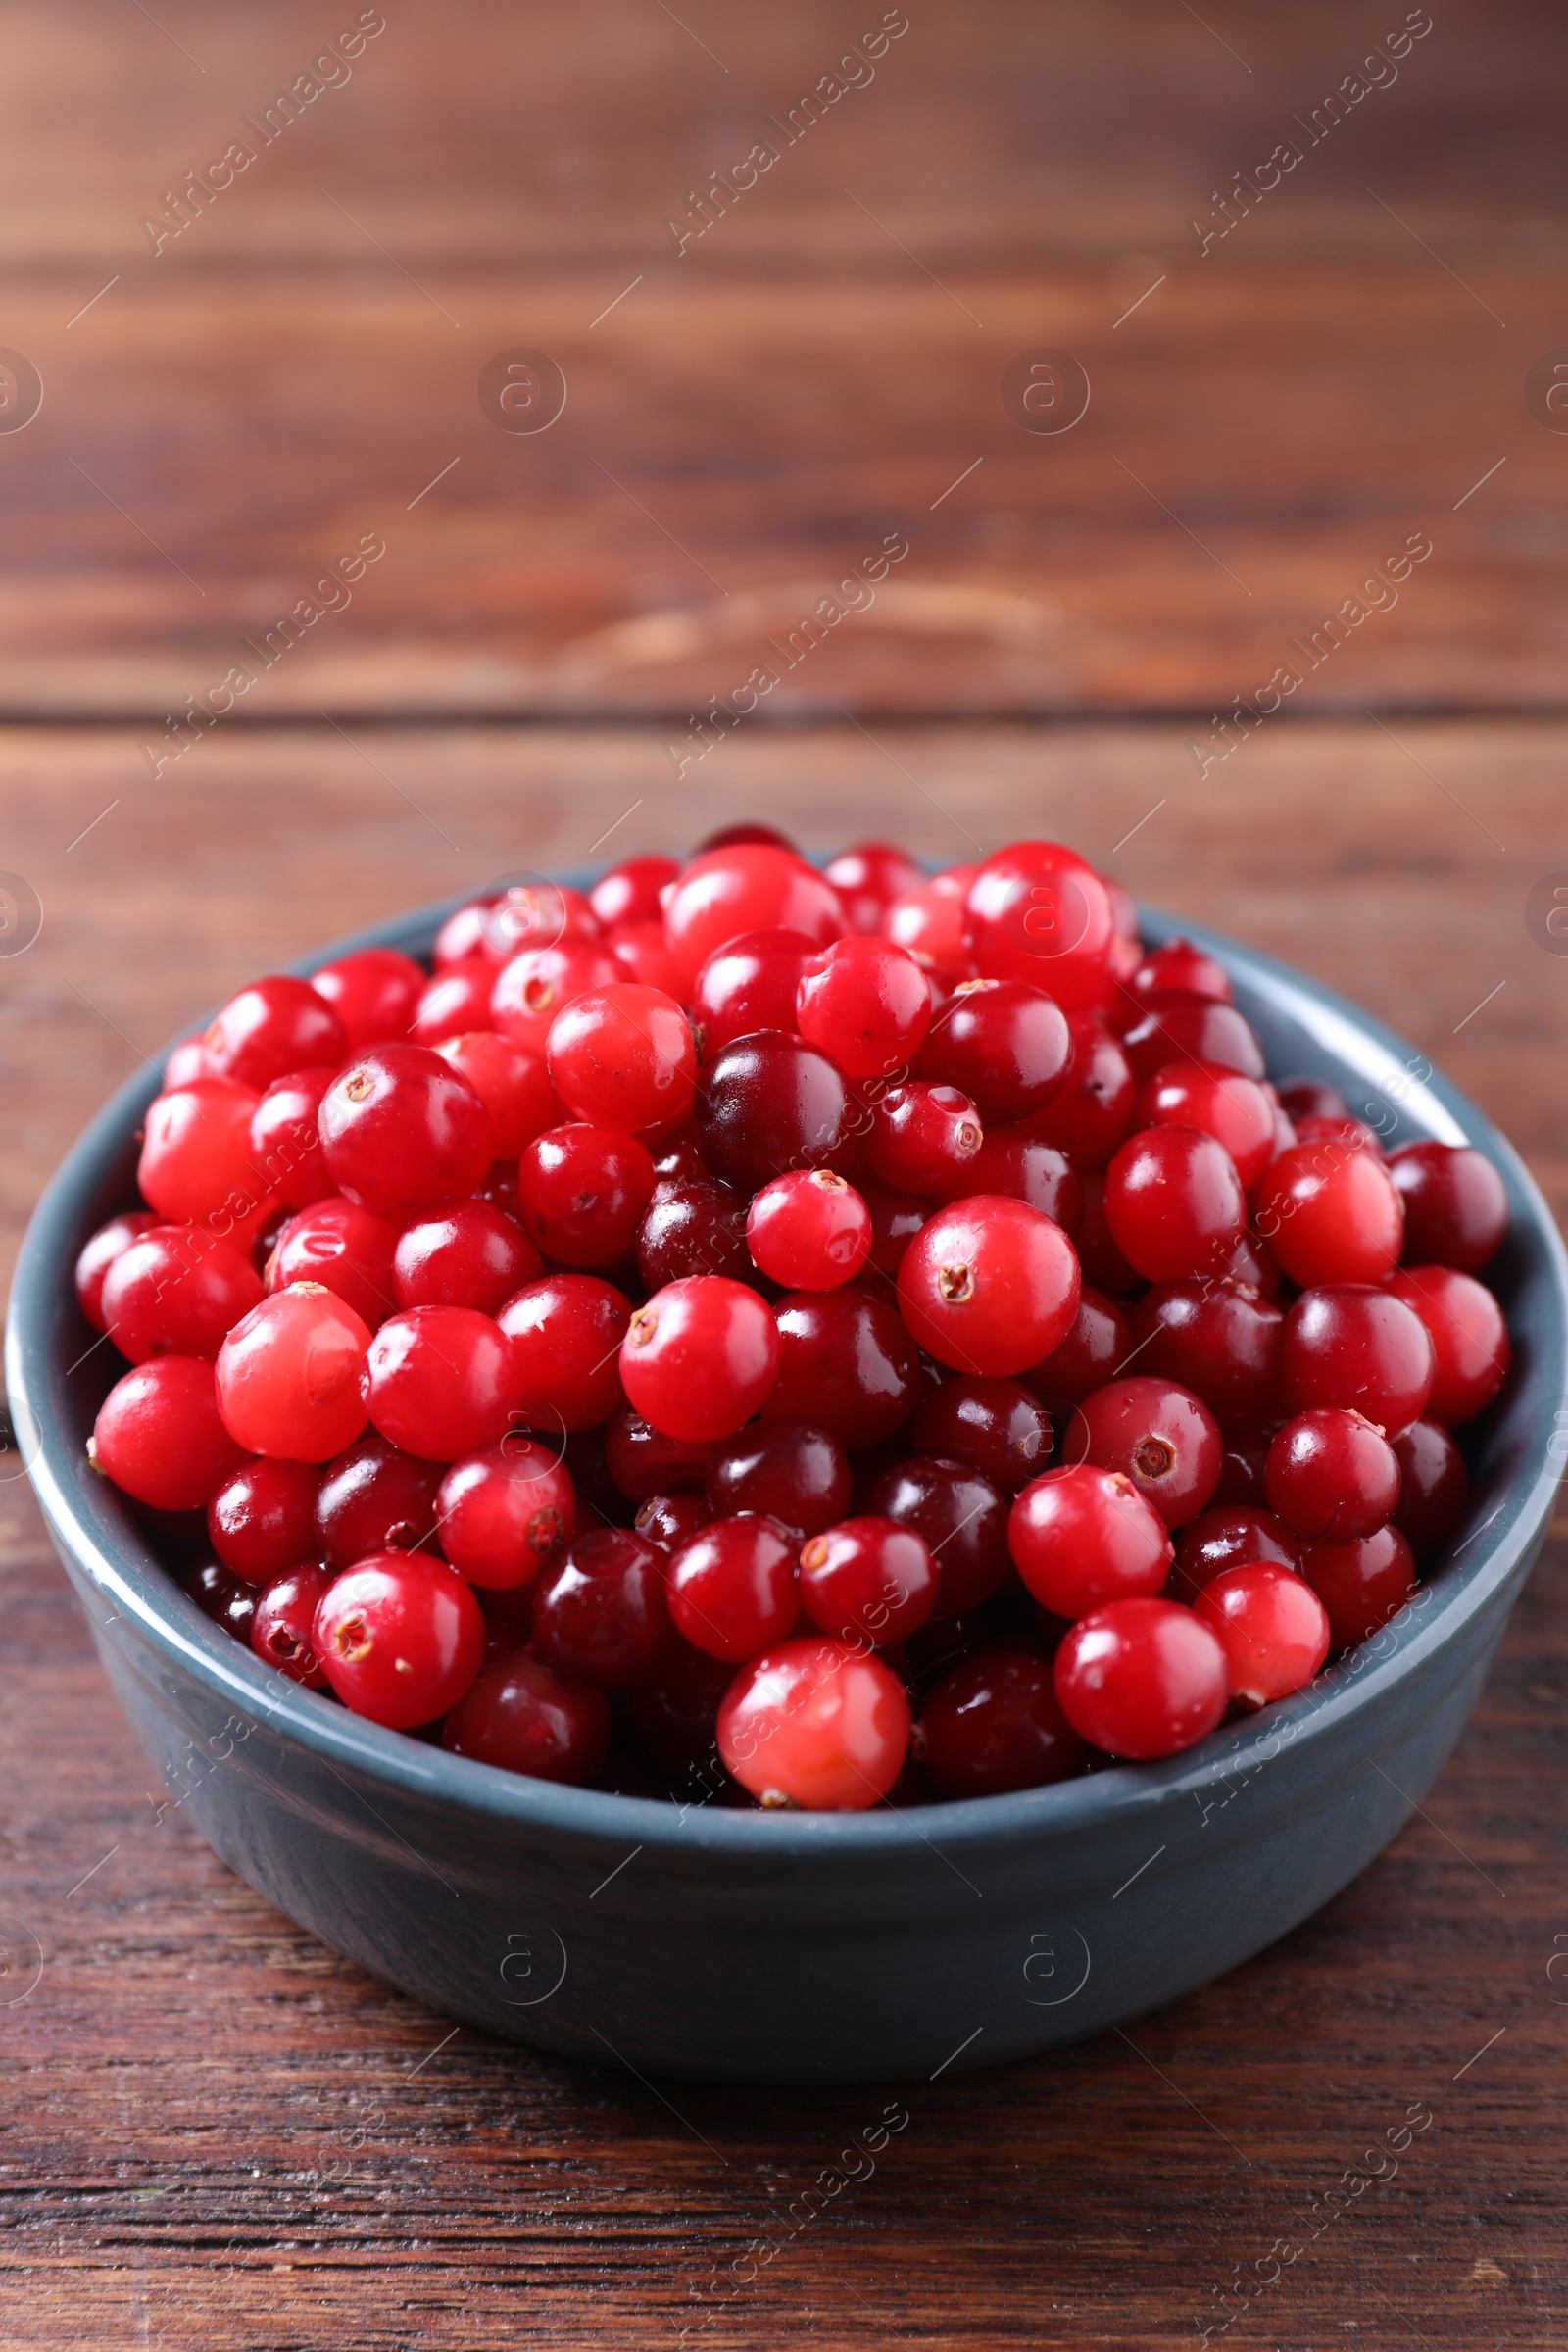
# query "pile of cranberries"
(812, 1338)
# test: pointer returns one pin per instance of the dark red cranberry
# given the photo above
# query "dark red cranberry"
(1090, 1116)
(1004, 1044)
(869, 878)
(1433, 1486)
(1218, 1339)
(847, 1364)
(1024, 1169)
(1456, 1205)
(1164, 1438)
(1356, 1346)
(1362, 1583)
(675, 1713)
(600, 1611)
(733, 1588)
(896, 1219)
(1176, 1027)
(1311, 1099)
(771, 1101)
(263, 1519)
(1332, 1475)
(696, 1226)
(1231, 1536)
(995, 1723)
(1179, 966)
(1094, 1351)
(1241, 1476)
(374, 1497)
(1104, 1266)
(226, 1599)
(642, 1461)
(526, 1717)
(963, 1519)
(282, 1622)
(797, 1475)
(998, 1427)
(672, 1520)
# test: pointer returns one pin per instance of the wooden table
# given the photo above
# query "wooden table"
(215, 2133)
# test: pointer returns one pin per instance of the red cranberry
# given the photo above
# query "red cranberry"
(1456, 1205)
(1272, 1627)
(989, 1286)
(929, 922)
(1179, 966)
(566, 1333)
(791, 1473)
(771, 1101)
(847, 1364)
(454, 1004)
(749, 983)
(583, 1191)
(1332, 1214)
(867, 1580)
(1159, 1433)
(1082, 1536)
(733, 1586)
(1218, 1339)
(600, 1611)
(401, 1131)
(692, 1226)
(1359, 1348)
(1230, 1535)
(345, 1249)
(400, 1637)
(467, 1255)
(374, 1497)
(1025, 1170)
(1433, 1486)
(1093, 1353)
(642, 1461)
(285, 1142)
(282, 1626)
(1340, 1135)
(631, 892)
(623, 1056)
(1038, 912)
(1174, 1204)
(1004, 1044)
(373, 993)
(513, 1084)
(809, 1229)
(525, 1717)
(1092, 1111)
(749, 886)
(961, 1516)
(272, 1027)
(263, 1519)
(99, 1254)
(289, 1375)
(1362, 1584)
(1142, 1678)
(505, 1512)
(869, 878)
(996, 1426)
(699, 1357)
(811, 1723)
(535, 988)
(174, 1291)
(158, 1434)
(865, 1004)
(994, 1724)
(923, 1137)
(1332, 1475)
(1221, 1103)
(1469, 1338)
(196, 1160)
(1176, 1027)
(441, 1382)
(672, 1520)
(535, 913)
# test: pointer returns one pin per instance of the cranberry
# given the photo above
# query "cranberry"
(534, 988)
(1272, 1627)
(99, 1254)
(813, 1723)
(623, 1056)
(284, 1142)
(1469, 1338)
(1004, 1044)
(632, 891)
(1174, 1203)
(1241, 1476)
(441, 1382)
(1189, 1029)
(1433, 1486)
(672, 1520)
(373, 993)
(1218, 1339)
(749, 886)
(189, 1060)
(583, 1191)
(375, 1497)
(271, 1028)
(174, 1291)
(929, 922)
(794, 1474)
(1038, 912)
(963, 1519)
(600, 1611)
(1221, 1103)
(462, 935)
(401, 1131)
(701, 1356)
(865, 1004)
(1025, 1170)
(289, 1375)
(535, 913)
(808, 1229)
(1082, 1536)
(505, 1511)
(643, 953)
(989, 1285)
(1164, 1437)
(869, 877)
(733, 1586)
(456, 1003)
(896, 1219)
(1091, 1113)
(675, 1711)
(749, 983)
(223, 1597)
(467, 1255)
(1093, 1353)
(770, 1103)
(994, 1724)
(996, 1426)
(1456, 1205)
(1311, 1099)
(1103, 1263)
(566, 1333)
(1347, 1135)
(1181, 967)
(196, 1161)
(400, 1637)
(642, 1461)
(692, 1226)
(345, 1249)
(283, 1624)
(263, 1519)
(1231, 1536)
(847, 1364)
(1331, 1474)
(1142, 1678)
(1332, 1214)
(867, 1580)
(1362, 1584)
(512, 1083)
(523, 1716)
(158, 1434)
(923, 1137)
(1359, 1348)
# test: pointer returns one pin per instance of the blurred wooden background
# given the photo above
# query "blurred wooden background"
(212, 2133)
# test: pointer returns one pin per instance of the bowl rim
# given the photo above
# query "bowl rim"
(125, 1571)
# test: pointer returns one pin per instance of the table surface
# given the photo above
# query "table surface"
(214, 2132)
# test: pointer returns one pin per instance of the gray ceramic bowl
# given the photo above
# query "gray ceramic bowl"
(743, 1946)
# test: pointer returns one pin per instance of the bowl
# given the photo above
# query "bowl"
(749, 1947)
